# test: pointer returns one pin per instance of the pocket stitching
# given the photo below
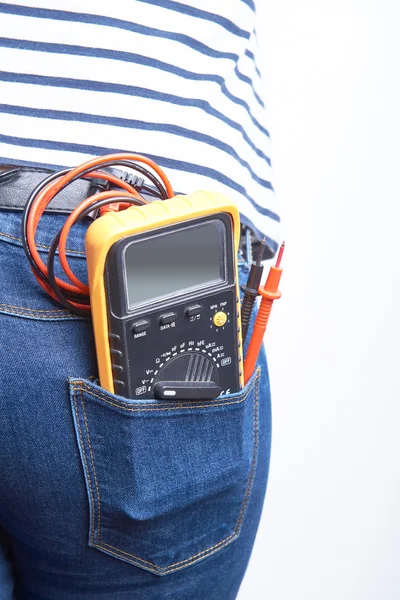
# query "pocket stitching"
(17, 239)
(204, 553)
(86, 465)
(40, 314)
(209, 551)
(94, 470)
(60, 310)
(166, 406)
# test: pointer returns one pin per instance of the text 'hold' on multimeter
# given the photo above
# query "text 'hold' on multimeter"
(165, 298)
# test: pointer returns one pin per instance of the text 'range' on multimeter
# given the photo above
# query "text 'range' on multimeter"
(164, 296)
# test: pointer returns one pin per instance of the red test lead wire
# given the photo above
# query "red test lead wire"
(45, 196)
(269, 293)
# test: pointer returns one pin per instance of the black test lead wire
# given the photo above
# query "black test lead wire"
(251, 291)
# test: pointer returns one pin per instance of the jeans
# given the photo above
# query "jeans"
(105, 497)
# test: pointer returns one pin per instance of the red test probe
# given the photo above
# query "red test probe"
(269, 293)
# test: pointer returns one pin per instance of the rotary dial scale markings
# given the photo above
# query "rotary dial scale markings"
(199, 368)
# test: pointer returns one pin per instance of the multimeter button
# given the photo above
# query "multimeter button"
(115, 352)
(167, 318)
(193, 310)
(114, 336)
(141, 325)
(220, 318)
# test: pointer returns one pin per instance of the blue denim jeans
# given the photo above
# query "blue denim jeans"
(105, 497)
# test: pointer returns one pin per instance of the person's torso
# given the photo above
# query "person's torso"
(176, 81)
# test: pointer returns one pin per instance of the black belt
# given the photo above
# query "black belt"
(16, 183)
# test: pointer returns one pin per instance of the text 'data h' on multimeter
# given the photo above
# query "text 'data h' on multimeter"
(165, 298)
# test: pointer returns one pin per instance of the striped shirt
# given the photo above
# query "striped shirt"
(176, 81)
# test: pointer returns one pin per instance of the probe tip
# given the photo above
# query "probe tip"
(280, 254)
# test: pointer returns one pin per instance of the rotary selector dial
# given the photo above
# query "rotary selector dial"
(196, 362)
(190, 362)
(190, 366)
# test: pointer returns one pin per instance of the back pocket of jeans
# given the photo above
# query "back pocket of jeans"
(168, 483)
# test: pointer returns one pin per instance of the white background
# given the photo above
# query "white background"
(331, 521)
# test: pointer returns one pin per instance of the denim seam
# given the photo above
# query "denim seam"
(85, 462)
(45, 246)
(39, 310)
(94, 469)
(204, 553)
(253, 461)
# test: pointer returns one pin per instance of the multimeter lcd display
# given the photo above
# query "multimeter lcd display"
(178, 260)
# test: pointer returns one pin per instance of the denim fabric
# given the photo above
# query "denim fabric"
(106, 497)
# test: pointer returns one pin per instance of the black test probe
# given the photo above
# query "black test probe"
(251, 290)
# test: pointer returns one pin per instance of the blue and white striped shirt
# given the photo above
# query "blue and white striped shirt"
(177, 81)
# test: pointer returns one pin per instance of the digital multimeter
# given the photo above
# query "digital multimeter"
(165, 298)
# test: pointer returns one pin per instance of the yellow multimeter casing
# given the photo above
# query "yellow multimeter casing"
(164, 295)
